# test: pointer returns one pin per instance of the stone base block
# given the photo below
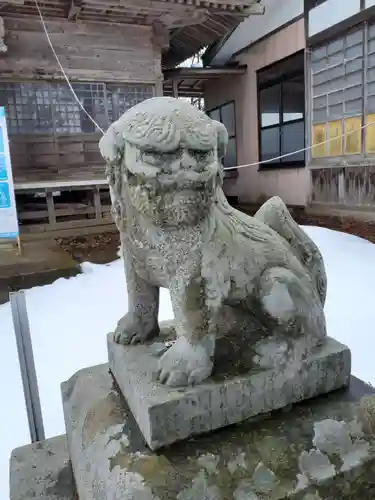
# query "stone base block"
(166, 415)
(42, 471)
(319, 449)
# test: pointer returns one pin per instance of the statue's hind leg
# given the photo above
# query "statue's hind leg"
(293, 306)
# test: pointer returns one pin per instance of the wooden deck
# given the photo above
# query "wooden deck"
(63, 208)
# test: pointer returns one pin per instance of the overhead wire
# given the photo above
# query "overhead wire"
(253, 164)
(62, 69)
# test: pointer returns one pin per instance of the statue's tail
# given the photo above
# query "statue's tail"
(275, 214)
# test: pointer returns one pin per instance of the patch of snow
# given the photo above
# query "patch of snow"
(69, 321)
(350, 268)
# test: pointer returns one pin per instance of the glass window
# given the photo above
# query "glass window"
(293, 139)
(293, 99)
(226, 115)
(214, 114)
(281, 95)
(227, 118)
(270, 140)
(230, 159)
(269, 104)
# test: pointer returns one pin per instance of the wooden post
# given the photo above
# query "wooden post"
(50, 208)
(175, 88)
(97, 203)
(19, 246)
(159, 88)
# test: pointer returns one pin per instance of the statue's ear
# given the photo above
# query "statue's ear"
(111, 147)
(108, 145)
(222, 139)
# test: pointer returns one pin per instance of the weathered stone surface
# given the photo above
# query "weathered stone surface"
(179, 232)
(166, 414)
(320, 449)
(42, 471)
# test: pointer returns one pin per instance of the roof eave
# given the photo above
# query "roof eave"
(257, 9)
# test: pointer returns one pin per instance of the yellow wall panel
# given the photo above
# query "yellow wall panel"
(318, 136)
(335, 145)
(370, 134)
(353, 135)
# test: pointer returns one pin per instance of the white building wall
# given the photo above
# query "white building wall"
(277, 14)
(332, 12)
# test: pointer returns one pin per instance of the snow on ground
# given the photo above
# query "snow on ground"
(70, 318)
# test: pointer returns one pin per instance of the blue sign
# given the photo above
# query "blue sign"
(3, 169)
(8, 212)
(1, 140)
(4, 195)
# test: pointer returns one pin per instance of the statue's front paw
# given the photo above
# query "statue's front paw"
(132, 329)
(185, 364)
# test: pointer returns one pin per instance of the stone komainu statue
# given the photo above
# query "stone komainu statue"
(179, 232)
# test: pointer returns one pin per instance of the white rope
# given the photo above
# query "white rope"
(303, 149)
(262, 162)
(62, 69)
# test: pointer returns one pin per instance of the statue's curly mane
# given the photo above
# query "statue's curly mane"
(230, 230)
(160, 124)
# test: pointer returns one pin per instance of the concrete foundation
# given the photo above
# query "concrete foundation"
(319, 449)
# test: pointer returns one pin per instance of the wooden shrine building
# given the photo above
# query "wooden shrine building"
(115, 53)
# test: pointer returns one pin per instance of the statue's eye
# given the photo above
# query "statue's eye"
(152, 157)
(200, 155)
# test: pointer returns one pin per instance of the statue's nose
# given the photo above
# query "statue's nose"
(187, 161)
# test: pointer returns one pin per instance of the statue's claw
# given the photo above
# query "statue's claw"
(135, 330)
(184, 364)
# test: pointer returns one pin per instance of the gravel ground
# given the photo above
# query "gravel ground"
(98, 248)
(102, 248)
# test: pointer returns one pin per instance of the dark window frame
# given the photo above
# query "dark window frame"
(311, 4)
(233, 136)
(273, 82)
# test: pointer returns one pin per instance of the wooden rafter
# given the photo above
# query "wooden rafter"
(192, 24)
(189, 82)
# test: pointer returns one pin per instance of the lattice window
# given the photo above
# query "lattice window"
(339, 101)
(39, 108)
(121, 98)
(28, 107)
(65, 110)
(92, 97)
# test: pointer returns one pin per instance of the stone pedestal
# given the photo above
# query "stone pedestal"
(319, 449)
(166, 415)
(42, 471)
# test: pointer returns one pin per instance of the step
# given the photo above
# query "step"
(42, 471)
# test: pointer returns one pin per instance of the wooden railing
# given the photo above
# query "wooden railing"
(51, 158)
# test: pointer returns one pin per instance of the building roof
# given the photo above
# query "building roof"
(277, 13)
(189, 82)
(192, 24)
